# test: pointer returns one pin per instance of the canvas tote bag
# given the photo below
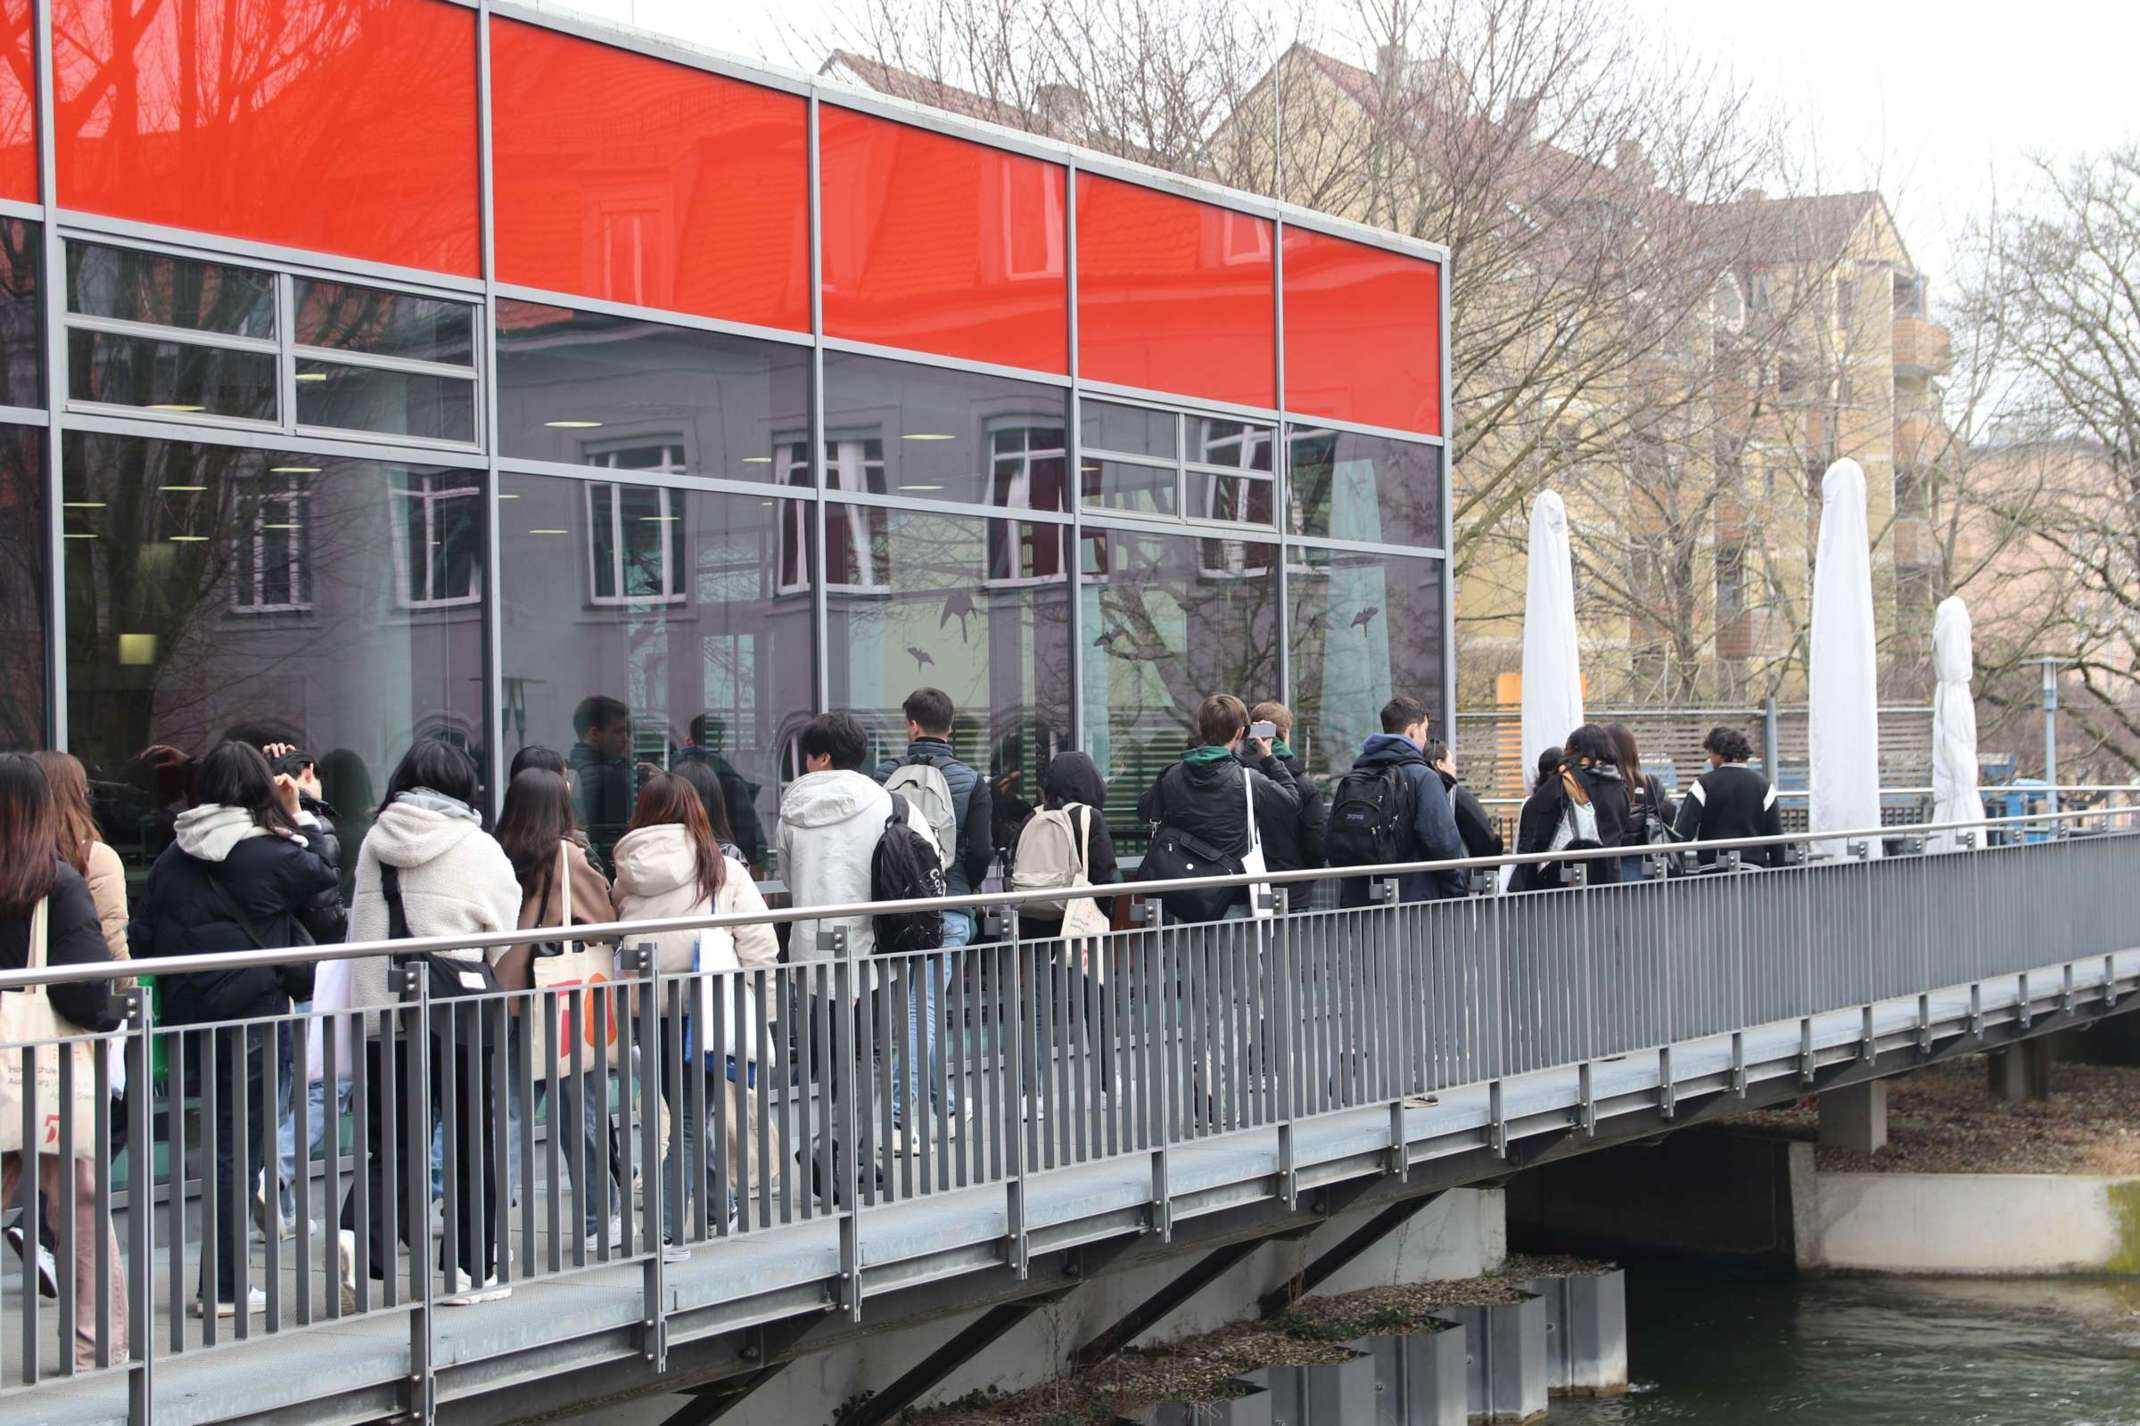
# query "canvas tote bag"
(27, 1017)
(555, 974)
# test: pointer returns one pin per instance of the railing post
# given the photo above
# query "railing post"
(141, 1210)
(1162, 1192)
(1924, 1024)
(415, 992)
(846, 1171)
(639, 962)
(1287, 1048)
(1805, 1050)
(1667, 1090)
(1014, 1181)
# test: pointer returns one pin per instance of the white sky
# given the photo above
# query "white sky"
(1936, 104)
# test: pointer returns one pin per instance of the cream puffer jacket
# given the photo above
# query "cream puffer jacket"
(656, 881)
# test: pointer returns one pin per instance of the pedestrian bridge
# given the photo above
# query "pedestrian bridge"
(1165, 1092)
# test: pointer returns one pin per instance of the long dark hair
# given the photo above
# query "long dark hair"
(438, 765)
(238, 775)
(537, 820)
(1590, 744)
(707, 784)
(667, 799)
(1627, 754)
(27, 866)
(74, 824)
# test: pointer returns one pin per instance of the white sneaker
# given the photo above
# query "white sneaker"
(47, 1266)
(1032, 1108)
(675, 1253)
(488, 1290)
(345, 1253)
(255, 1304)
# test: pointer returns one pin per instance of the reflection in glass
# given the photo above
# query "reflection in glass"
(346, 317)
(396, 403)
(588, 389)
(214, 591)
(1125, 485)
(170, 376)
(974, 606)
(1132, 430)
(22, 589)
(1347, 486)
(1364, 627)
(1169, 619)
(22, 356)
(135, 286)
(944, 435)
(645, 625)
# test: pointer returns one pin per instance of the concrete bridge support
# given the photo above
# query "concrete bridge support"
(2021, 1072)
(1855, 1117)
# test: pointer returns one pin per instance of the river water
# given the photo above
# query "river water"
(1725, 1348)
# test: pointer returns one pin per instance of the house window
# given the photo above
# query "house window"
(1846, 302)
(635, 543)
(1764, 295)
(1160, 462)
(1030, 460)
(438, 540)
(273, 554)
(1730, 579)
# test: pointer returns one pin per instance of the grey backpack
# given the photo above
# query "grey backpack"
(1051, 854)
(922, 783)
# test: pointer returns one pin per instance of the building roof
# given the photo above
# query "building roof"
(919, 89)
(1814, 228)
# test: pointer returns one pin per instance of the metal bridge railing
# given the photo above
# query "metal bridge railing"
(835, 1084)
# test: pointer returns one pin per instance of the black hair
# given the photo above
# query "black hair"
(1402, 712)
(1728, 743)
(237, 774)
(1437, 750)
(1590, 743)
(536, 756)
(536, 821)
(930, 710)
(597, 710)
(837, 736)
(1549, 763)
(438, 765)
(1626, 752)
(707, 784)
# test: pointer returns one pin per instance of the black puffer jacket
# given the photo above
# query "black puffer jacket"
(1481, 837)
(1201, 796)
(288, 892)
(1295, 844)
(72, 937)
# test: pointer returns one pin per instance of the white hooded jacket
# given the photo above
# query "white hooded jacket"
(455, 879)
(657, 880)
(829, 826)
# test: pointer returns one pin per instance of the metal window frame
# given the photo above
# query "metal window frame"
(484, 291)
(672, 579)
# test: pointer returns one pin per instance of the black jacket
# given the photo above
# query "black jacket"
(1647, 798)
(1204, 799)
(287, 890)
(72, 937)
(969, 804)
(1434, 833)
(1540, 820)
(1481, 837)
(1731, 801)
(1297, 844)
(1536, 825)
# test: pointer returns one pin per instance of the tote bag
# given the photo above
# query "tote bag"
(1252, 863)
(27, 1016)
(555, 975)
(1083, 917)
(714, 1004)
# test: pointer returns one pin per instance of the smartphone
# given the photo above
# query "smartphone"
(1263, 730)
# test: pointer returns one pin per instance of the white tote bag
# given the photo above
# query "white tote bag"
(1083, 916)
(736, 1037)
(1252, 863)
(578, 966)
(27, 1017)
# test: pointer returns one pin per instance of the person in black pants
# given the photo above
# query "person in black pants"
(240, 875)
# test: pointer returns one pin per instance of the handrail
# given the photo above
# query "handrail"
(624, 930)
(1799, 794)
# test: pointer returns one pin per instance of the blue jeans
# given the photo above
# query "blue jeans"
(907, 1064)
(582, 1144)
(286, 1071)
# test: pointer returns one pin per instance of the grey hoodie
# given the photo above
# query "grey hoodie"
(208, 832)
(829, 825)
(454, 878)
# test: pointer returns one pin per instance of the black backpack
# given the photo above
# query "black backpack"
(1370, 818)
(905, 867)
(1175, 855)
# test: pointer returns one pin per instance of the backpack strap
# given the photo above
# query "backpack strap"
(397, 914)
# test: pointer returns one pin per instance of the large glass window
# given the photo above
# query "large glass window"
(943, 435)
(1166, 463)
(214, 592)
(584, 388)
(647, 626)
(1168, 620)
(1364, 628)
(23, 568)
(1347, 486)
(977, 607)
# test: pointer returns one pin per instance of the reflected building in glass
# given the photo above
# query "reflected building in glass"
(656, 454)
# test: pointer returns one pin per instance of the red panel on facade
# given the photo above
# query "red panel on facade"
(942, 245)
(18, 104)
(1363, 333)
(345, 126)
(1173, 294)
(636, 180)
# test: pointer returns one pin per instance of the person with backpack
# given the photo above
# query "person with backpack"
(1649, 807)
(427, 868)
(668, 867)
(830, 821)
(953, 801)
(1063, 846)
(559, 887)
(1537, 823)
(1199, 811)
(1731, 800)
(1594, 762)
(239, 875)
(1480, 836)
(1392, 807)
(1296, 845)
(47, 915)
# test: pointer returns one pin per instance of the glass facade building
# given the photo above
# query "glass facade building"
(379, 368)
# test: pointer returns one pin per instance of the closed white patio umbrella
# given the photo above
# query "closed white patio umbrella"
(1842, 684)
(1954, 726)
(1552, 666)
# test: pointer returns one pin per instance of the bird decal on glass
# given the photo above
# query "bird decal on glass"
(921, 658)
(958, 605)
(1366, 616)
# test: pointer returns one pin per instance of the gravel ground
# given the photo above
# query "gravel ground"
(1943, 1120)
(1203, 1368)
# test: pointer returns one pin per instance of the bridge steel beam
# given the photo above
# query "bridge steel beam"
(1359, 1240)
(975, 1338)
(1154, 1309)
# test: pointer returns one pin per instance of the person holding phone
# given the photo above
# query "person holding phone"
(1297, 844)
(1199, 814)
